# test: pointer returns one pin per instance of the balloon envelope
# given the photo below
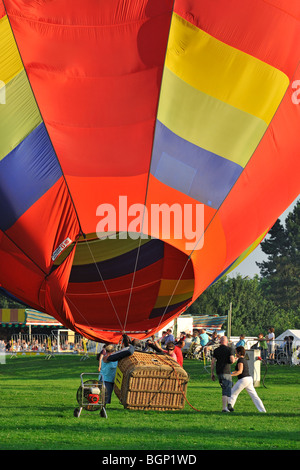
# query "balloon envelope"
(178, 120)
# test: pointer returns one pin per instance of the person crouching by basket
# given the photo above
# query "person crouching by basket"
(107, 370)
(169, 349)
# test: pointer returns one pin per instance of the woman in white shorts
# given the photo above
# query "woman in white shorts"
(245, 381)
(271, 343)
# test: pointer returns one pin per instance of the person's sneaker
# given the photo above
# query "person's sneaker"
(225, 411)
(230, 407)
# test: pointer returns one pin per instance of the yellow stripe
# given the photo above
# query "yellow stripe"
(246, 253)
(170, 286)
(208, 122)
(224, 72)
(165, 300)
(21, 315)
(103, 250)
(5, 315)
(10, 61)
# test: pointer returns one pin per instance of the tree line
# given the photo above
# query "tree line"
(271, 299)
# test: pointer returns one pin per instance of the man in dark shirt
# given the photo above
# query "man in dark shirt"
(223, 356)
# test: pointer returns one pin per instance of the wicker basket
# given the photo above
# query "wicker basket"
(148, 381)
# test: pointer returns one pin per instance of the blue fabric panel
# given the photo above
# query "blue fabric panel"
(187, 173)
(26, 173)
(202, 175)
(121, 265)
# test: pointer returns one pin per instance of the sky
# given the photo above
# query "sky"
(248, 266)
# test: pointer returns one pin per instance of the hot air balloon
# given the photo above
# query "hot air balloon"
(146, 147)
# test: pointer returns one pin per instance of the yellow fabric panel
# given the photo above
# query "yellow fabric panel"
(208, 122)
(103, 249)
(224, 72)
(170, 286)
(19, 116)
(10, 61)
(164, 301)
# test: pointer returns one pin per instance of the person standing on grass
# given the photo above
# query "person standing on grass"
(223, 356)
(271, 343)
(245, 381)
(107, 369)
(262, 346)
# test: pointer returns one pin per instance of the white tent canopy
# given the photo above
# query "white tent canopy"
(294, 333)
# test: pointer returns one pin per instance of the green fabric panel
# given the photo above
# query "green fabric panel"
(19, 115)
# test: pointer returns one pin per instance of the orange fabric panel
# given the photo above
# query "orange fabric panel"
(159, 193)
(209, 261)
(89, 193)
(274, 27)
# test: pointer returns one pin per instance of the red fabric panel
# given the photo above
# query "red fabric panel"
(46, 224)
(90, 13)
(20, 276)
(2, 9)
(102, 126)
(111, 310)
(99, 106)
(69, 141)
(54, 289)
(176, 265)
(257, 27)
(96, 73)
(137, 329)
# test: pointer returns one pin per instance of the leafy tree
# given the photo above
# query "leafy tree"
(251, 312)
(8, 302)
(281, 271)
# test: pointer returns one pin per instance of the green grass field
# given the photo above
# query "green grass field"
(38, 398)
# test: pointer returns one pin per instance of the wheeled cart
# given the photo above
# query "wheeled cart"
(91, 395)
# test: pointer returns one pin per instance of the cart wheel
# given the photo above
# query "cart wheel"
(103, 413)
(282, 359)
(77, 412)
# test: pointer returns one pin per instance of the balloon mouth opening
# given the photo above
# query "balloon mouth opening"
(126, 283)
